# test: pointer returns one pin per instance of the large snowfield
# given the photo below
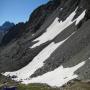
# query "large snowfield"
(59, 76)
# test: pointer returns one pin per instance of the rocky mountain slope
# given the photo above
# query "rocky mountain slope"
(54, 46)
(6, 26)
(4, 29)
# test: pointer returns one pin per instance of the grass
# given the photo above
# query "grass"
(35, 87)
(74, 85)
(77, 85)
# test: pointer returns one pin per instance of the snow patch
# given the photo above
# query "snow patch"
(53, 30)
(57, 27)
(61, 9)
(36, 63)
(58, 77)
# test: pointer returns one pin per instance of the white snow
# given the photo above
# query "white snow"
(80, 17)
(54, 29)
(37, 62)
(61, 9)
(58, 77)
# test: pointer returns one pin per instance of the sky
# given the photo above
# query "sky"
(17, 10)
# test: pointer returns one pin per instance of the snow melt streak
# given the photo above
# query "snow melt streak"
(80, 17)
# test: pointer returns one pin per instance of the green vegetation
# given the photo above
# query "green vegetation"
(73, 85)
(35, 87)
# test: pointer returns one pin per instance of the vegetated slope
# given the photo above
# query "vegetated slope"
(57, 52)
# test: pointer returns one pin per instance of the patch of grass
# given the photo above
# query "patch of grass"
(35, 87)
(73, 85)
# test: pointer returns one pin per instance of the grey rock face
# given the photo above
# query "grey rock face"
(4, 29)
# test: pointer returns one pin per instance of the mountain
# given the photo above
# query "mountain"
(7, 25)
(4, 29)
(53, 47)
(37, 18)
